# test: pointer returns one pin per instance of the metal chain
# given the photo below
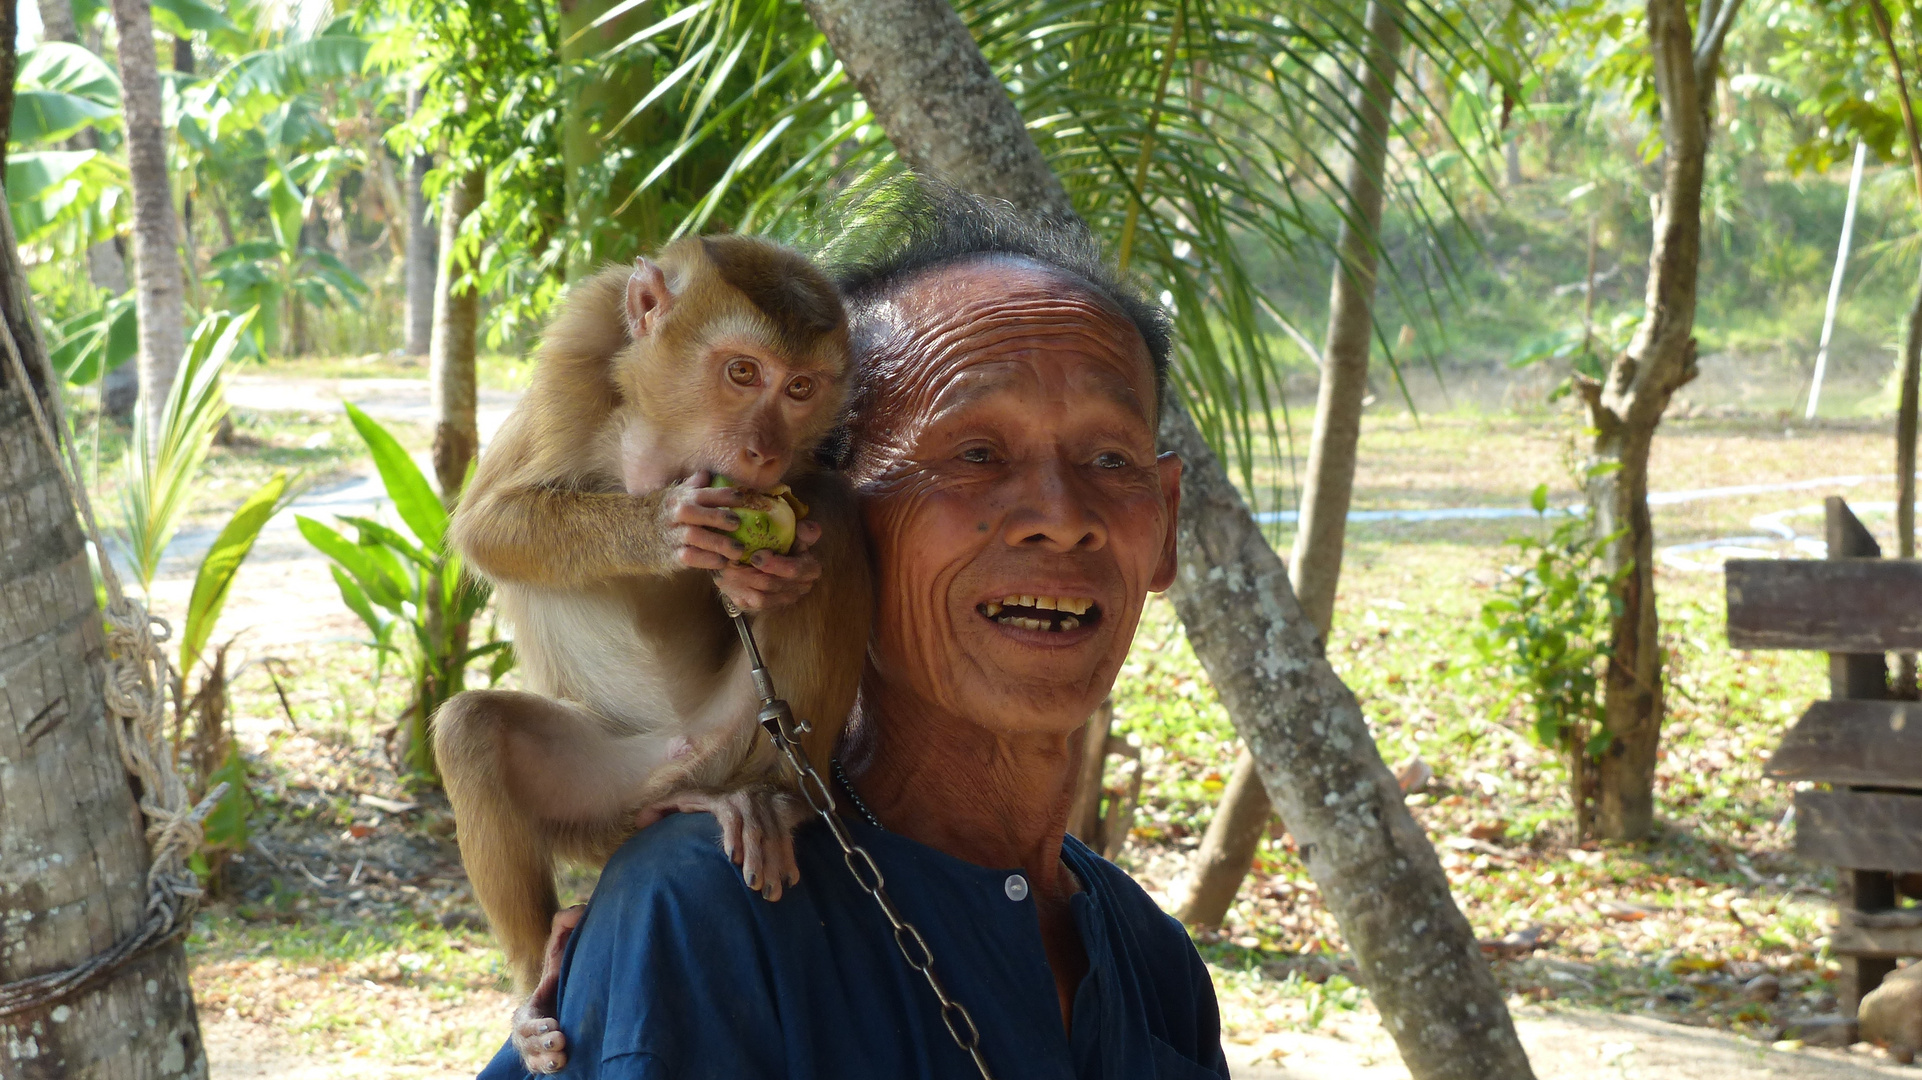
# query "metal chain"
(778, 719)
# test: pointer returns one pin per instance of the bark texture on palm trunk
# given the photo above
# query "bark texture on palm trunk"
(456, 342)
(73, 861)
(159, 290)
(1626, 406)
(1228, 848)
(1374, 865)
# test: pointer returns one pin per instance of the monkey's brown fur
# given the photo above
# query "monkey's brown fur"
(640, 688)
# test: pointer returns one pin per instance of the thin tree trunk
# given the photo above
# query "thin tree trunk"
(423, 248)
(452, 356)
(73, 861)
(1905, 683)
(1372, 862)
(1625, 409)
(1228, 848)
(160, 292)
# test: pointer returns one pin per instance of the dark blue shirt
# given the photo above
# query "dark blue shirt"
(679, 972)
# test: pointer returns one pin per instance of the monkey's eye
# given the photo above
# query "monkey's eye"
(743, 372)
(800, 388)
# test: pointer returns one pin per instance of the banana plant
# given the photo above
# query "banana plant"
(412, 580)
(279, 275)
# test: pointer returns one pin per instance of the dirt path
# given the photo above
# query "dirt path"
(1562, 1045)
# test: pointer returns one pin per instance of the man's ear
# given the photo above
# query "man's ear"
(1169, 465)
(648, 298)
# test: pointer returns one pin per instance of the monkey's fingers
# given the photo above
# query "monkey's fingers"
(713, 496)
(718, 518)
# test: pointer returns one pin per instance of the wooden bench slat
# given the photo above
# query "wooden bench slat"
(1872, 743)
(1861, 830)
(1875, 941)
(1851, 605)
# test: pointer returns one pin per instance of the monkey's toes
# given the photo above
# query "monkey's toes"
(542, 1047)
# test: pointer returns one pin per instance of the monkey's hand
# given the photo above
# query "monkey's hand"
(757, 830)
(537, 1035)
(698, 519)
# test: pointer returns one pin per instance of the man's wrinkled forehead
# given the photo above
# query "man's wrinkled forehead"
(963, 331)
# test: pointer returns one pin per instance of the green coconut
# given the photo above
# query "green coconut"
(767, 520)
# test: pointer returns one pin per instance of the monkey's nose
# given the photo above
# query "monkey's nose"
(761, 469)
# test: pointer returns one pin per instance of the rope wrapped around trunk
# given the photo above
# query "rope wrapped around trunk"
(138, 676)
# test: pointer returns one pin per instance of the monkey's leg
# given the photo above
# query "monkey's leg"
(528, 776)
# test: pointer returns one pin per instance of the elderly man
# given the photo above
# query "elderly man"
(1003, 443)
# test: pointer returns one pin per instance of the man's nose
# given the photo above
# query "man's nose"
(1055, 512)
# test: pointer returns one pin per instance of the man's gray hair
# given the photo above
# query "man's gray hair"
(909, 226)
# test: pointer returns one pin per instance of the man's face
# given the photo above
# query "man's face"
(1011, 489)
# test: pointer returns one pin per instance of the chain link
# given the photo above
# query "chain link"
(778, 719)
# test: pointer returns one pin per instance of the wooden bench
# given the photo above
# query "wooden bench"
(1856, 606)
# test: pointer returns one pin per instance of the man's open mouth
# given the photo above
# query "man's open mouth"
(1053, 613)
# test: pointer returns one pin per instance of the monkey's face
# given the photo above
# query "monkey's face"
(719, 383)
(739, 408)
(1018, 512)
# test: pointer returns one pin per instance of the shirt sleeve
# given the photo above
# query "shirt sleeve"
(668, 974)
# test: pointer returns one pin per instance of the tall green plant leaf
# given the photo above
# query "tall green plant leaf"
(414, 498)
(159, 469)
(222, 561)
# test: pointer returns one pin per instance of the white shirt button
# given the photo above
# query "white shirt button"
(1016, 887)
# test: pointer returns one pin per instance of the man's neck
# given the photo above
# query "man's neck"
(991, 798)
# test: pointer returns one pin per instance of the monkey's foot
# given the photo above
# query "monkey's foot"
(757, 831)
(537, 1034)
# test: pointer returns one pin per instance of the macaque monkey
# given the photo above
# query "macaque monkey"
(592, 514)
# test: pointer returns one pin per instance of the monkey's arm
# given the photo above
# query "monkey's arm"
(548, 534)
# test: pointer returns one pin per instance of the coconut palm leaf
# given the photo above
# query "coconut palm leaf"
(1205, 137)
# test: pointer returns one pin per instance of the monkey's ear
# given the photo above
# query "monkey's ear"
(648, 298)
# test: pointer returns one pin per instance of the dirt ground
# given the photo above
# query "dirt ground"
(431, 1003)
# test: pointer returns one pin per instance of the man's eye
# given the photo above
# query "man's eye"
(1111, 460)
(977, 455)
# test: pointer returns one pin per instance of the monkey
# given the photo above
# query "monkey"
(592, 517)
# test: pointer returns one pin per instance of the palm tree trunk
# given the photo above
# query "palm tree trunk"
(73, 862)
(1228, 848)
(423, 248)
(923, 77)
(1625, 409)
(455, 345)
(160, 292)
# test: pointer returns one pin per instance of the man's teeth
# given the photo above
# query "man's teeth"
(1073, 605)
(1070, 607)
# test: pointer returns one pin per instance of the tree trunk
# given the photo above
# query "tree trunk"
(451, 357)
(1373, 864)
(587, 121)
(159, 292)
(73, 862)
(1905, 680)
(946, 113)
(1228, 848)
(423, 248)
(1625, 409)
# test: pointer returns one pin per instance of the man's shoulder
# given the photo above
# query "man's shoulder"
(677, 858)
